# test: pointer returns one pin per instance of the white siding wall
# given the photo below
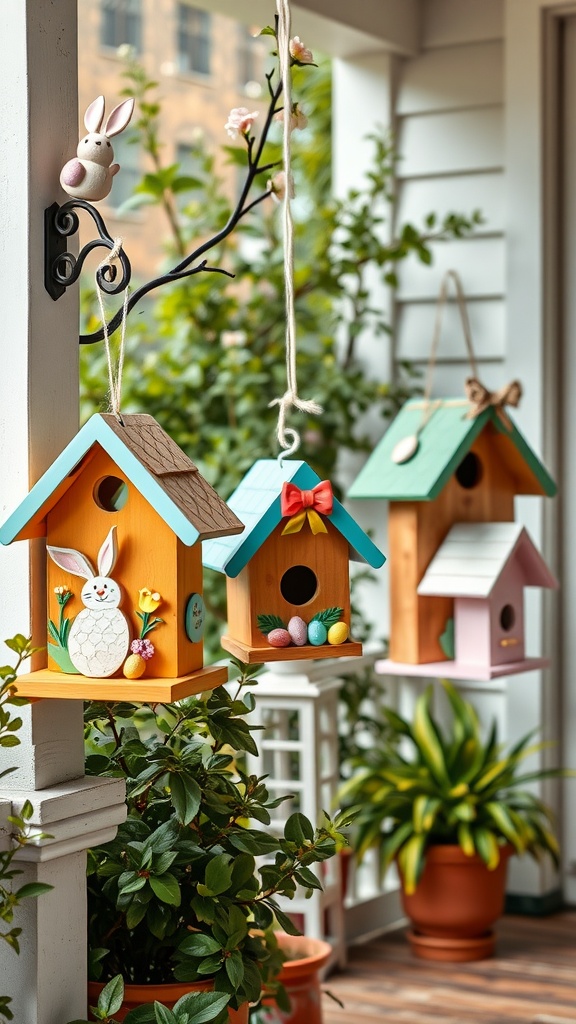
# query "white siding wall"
(450, 129)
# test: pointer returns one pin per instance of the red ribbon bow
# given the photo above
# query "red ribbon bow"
(319, 498)
(302, 505)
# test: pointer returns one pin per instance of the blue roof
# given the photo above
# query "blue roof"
(256, 501)
(151, 461)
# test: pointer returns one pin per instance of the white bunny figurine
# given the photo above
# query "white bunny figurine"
(100, 635)
(90, 176)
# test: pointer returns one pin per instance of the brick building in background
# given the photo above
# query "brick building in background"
(204, 64)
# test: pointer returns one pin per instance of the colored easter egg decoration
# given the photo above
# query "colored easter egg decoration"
(279, 638)
(338, 633)
(134, 666)
(195, 617)
(298, 630)
(317, 633)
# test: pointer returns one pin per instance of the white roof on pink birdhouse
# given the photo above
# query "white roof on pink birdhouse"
(474, 556)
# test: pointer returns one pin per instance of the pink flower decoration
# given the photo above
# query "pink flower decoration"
(145, 648)
(277, 186)
(240, 121)
(299, 52)
(298, 119)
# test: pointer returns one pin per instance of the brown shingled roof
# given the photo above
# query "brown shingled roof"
(176, 474)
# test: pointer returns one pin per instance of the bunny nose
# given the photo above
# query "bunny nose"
(99, 592)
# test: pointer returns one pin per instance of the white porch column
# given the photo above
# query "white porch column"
(39, 402)
(362, 105)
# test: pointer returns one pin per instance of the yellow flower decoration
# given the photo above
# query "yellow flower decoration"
(148, 600)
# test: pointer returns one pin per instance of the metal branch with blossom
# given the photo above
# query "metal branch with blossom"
(239, 125)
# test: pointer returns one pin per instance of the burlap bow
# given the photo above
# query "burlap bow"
(302, 505)
(481, 399)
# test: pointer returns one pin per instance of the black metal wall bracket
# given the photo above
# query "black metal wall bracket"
(62, 268)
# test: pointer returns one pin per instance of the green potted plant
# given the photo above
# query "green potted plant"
(176, 898)
(450, 808)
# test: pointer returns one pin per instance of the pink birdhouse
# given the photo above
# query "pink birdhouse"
(485, 568)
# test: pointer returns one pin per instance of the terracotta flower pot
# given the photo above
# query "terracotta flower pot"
(169, 994)
(300, 976)
(455, 905)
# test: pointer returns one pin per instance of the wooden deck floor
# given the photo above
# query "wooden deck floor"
(531, 980)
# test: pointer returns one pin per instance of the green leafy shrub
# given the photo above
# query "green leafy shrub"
(208, 355)
(178, 894)
(427, 785)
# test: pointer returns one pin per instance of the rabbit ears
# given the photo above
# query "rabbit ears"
(75, 562)
(117, 121)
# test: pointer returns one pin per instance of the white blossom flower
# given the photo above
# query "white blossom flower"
(299, 52)
(232, 339)
(240, 121)
(298, 119)
(277, 186)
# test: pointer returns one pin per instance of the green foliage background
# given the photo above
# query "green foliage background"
(207, 355)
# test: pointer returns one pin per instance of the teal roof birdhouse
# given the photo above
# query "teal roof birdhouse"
(438, 466)
(288, 587)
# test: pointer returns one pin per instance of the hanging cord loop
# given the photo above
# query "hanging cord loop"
(114, 374)
(288, 439)
(480, 397)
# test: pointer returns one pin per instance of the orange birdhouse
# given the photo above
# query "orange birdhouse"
(288, 586)
(123, 510)
(438, 466)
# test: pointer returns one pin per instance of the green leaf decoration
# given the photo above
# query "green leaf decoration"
(62, 659)
(52, 629)
(329, 617)
(447, 640)
(266, 623)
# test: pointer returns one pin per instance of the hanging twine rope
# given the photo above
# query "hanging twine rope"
(480, 397)
(114, 373)
(288, 439)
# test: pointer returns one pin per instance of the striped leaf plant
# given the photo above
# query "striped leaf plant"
(428, 785)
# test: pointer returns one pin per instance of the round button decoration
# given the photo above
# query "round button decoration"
(405, 449)
(195, 617)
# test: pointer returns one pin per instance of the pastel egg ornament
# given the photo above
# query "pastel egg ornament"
(317, 633)
(338, 633)
(298, 631)
(279, 638)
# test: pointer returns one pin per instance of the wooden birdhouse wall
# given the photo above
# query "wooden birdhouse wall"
(150, 555)
(490, 631)
(481, 490)
(507, 617)
(257, 590)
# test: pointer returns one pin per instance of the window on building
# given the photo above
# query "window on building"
(121, 23)
(251, 61)
(191, 160)
(127, 155)
(194, 40)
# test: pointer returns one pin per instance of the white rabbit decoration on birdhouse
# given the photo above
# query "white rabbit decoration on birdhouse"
(100, 634)
(90, 174)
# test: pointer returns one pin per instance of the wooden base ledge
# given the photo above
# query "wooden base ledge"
(459, 670)
(46, 683)
(257, 655)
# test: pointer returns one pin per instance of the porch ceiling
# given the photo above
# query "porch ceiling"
(337, 27)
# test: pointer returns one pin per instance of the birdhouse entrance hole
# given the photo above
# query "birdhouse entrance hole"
(469, 472)
(111, 493)
(298, 584)
(507, 617)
